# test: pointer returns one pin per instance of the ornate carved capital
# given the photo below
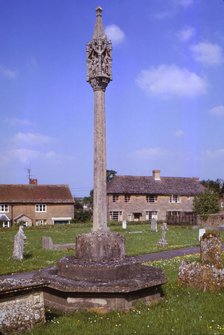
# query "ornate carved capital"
(99, 83)
(99, 57)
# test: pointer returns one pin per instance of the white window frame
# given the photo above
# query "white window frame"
(151, 214)
(127, 198)
(4, 208)
(40, 208)
(116, 215)
(175, 199)
(151, 198)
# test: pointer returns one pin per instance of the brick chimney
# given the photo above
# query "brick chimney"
(32, 181)
(156, 174)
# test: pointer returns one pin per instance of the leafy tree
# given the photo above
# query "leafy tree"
(214, 185)
(206, 203)
(110, 174)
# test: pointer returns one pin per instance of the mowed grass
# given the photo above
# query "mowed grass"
(138, 240)
(183, 311)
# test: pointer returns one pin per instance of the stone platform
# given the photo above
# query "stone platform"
(109, 286)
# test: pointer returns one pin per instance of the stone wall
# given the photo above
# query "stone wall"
(213, 220)
(139, 204)
(21, 312)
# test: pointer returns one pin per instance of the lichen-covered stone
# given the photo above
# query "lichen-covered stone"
(211, 249)
(203, 277)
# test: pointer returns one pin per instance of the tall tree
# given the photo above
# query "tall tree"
(206, 203)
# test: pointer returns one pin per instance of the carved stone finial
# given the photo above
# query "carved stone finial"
(99, 57)
(99, 31)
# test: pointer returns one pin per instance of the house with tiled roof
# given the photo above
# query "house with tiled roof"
(139, 198)
(34, 204)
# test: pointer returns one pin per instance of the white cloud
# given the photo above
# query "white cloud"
(15, 121)
(179, 133)
(23, 155)
(150, 153)
(216, 153)
(217, 110)
(30, 139)
(170, 80)
(186, 34)
(7, 72)
(115, 34)
(185, 3)
(207, 53)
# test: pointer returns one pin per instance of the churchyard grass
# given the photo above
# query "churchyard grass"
(138, 240)
(183, 311)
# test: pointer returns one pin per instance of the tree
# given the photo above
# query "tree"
(206, 203)
(110, 174)
(214, 185)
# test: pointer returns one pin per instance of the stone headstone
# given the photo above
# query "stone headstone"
(19, 239)
(124, 224)
(154, 227)
(211, 249)
(200, 233)
(163, 242)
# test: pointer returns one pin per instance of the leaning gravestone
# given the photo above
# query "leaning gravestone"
(154, 227)
(19, 239)
(163, 242)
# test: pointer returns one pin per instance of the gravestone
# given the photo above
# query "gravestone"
(201, 232)
(208, 275)
(124, 224)
(211, 249)
(154, 227)
(19, 240)
(163, 242)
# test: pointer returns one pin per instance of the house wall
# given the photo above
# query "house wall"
(53, 210)
(139, 204)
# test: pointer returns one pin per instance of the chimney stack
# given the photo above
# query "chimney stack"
(156, 174)
(32, 181)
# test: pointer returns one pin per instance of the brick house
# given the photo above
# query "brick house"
(34, 204)
(139, 198)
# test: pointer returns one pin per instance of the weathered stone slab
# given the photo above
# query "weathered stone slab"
(97, 246)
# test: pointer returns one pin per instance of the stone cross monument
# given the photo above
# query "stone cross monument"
(99, 74)
(101, 243)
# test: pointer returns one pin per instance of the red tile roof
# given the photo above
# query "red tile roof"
(35, 194)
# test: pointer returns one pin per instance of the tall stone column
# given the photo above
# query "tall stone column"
(101, 244)
(99, 74)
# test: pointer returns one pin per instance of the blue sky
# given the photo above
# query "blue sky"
(164, 107)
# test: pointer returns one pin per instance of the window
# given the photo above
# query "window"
(127, 198)
(115, 198)
(174, 199)
(40, 208)
(4, 208)
(150, 214)
(116, 216)
(151, 198)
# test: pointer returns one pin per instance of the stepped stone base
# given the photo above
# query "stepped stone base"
(108, 286)
(97, 246)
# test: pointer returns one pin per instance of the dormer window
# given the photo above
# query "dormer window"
(4, 208)
(40, 208)
(174, 199)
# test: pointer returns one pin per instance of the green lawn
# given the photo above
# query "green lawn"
(138, 240)
(182, 312)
